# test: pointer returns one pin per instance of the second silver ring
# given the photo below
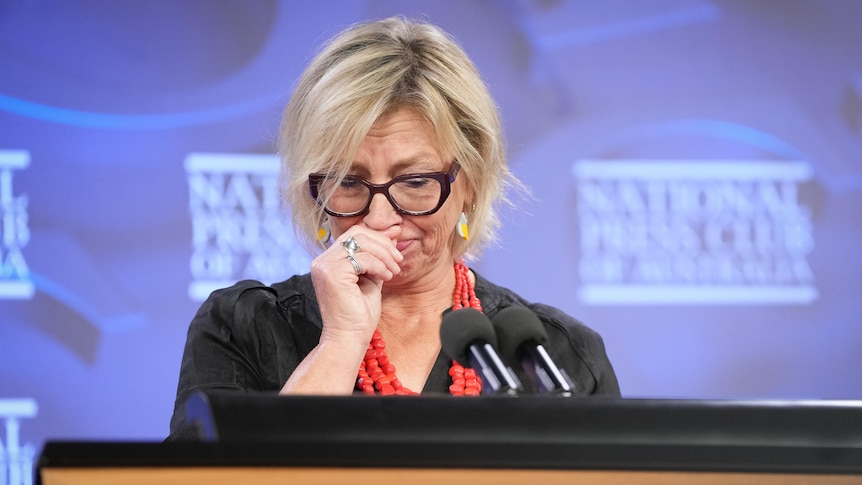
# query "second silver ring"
(355, 263)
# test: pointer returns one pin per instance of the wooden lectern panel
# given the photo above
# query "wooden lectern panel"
(377, 476)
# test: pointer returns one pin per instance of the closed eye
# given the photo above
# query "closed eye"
(349, 183)
(415, 182)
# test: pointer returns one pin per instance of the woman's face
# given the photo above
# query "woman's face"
(402, 142)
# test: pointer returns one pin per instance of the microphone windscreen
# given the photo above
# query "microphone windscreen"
(460, 329)
(516, 325)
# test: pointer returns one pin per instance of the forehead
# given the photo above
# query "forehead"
(400, 139)
(402, 126)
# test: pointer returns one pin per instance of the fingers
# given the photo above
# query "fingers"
(367, 253)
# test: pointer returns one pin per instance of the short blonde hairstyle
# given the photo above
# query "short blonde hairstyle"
(369, 70)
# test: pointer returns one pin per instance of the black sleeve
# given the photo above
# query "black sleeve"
(233, 343)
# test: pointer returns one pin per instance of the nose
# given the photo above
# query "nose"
(381, 214)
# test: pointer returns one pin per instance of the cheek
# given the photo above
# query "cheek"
(440, 232)
(441, 226)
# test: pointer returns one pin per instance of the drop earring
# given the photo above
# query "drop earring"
(323, 232)
(463, 230)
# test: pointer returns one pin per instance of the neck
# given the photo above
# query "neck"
(412, 305)
(404, 318)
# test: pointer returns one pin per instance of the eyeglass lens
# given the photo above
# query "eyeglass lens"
(412, 193)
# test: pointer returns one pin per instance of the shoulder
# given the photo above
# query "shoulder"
(251, 303)
(246, 291)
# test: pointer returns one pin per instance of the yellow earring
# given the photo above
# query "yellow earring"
(323, 232)
(463, 231)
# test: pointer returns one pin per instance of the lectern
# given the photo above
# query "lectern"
(255, 438)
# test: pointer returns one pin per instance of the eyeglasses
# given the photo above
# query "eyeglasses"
(414, 194)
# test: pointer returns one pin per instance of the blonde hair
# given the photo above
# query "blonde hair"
(371, 69)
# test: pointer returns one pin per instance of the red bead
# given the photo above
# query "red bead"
(377, 372)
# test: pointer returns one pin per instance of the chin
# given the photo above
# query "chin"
(410, 271)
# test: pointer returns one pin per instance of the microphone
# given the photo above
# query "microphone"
(468, 338)
(522, 339)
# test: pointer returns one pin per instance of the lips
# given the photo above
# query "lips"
(402, 245)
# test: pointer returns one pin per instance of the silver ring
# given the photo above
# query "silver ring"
(355, 264)
(351, 246)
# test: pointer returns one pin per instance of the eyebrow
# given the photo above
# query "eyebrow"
(417, 164)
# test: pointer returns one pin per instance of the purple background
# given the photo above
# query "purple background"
(109, 98)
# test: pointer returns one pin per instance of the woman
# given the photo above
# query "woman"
(393, 133)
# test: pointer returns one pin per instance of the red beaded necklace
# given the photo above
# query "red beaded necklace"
(376, 372)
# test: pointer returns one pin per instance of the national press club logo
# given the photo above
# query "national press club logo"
(239, 230)
(15, 281)
(16, 458)
(693, 232)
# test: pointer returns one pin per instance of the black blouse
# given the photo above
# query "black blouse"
(251, 337)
